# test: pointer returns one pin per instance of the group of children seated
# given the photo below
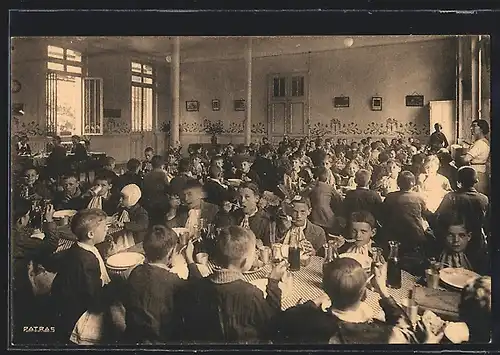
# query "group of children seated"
(369, 193)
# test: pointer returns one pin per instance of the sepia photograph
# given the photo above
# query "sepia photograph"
(140, 218)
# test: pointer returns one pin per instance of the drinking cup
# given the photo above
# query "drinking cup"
(432, 278)
(265, 254)
(202, 258)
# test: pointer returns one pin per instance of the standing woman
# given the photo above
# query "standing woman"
(478, 154)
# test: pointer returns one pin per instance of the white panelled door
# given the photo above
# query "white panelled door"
(287, 105)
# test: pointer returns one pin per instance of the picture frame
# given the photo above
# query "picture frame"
(414, 100)
(215, 105)
(239, 105)
(376, 103)
(192, 106)
(341, 101)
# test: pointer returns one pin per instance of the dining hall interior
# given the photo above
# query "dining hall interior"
(250, 182)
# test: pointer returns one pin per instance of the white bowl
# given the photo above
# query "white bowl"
(64, 213)
(123, 261)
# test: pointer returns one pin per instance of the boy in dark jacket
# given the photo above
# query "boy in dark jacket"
(232, 309)
(152, 290)
(81, 283)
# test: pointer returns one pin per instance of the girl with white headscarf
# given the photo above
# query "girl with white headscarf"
(132, 217)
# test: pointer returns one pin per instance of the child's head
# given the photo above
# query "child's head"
(457, 235)
(31, 175)
(215, 172)
(362, 227)
(227, 206)
(406, 181)
(235, 248)
(218, 161)
(130, 195)
(230, 149)
(149, 153)
(89, 226)
(431, 164)
(110, 163)
(192, 193)
(362, 178)
(338, 165)
(184, 165)
(157, 161)
(174, 200)
(296, 162)
(326, 161)
(352, 168)
(322, 174)
(105, 182)
(344, 281)
(300, 210)
(392, 154)
(133, 165)
(159, 243)
(328, 143)
(70, 183)
(22, 209)
(245, 165)
(393, 168)
(248, 195)
(467, 177)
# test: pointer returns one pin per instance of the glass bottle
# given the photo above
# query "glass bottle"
(294, 252)
(393, 266)
(328, 255)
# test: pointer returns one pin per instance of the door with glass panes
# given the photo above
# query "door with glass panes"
(287, 105)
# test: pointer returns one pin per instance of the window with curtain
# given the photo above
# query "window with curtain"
(142, 97)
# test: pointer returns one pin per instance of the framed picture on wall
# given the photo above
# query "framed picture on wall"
(239, 105)
(376, 103)
(215, 105)
(192, 106)
(341, 101)
(414, 100)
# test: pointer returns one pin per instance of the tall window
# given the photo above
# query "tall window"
(142, 97)
(66, 96)
(64, 91)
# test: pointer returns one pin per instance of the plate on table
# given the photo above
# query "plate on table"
(261, 284)
(364, 260)
(124, 260)
(234, 182)
(64, 213)
(338, 240)
(457, 277)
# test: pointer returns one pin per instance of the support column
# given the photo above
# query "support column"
(248, 111)
(479, 79)
(176, 78)
(460, 87)
(475, 78)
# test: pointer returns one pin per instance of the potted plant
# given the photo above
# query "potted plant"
(214, 129)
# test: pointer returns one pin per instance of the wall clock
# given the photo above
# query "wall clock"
(16, 86)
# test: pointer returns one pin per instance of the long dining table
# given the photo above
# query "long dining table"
(307, 284)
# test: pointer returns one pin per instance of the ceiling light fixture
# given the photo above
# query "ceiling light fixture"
(348, 42)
